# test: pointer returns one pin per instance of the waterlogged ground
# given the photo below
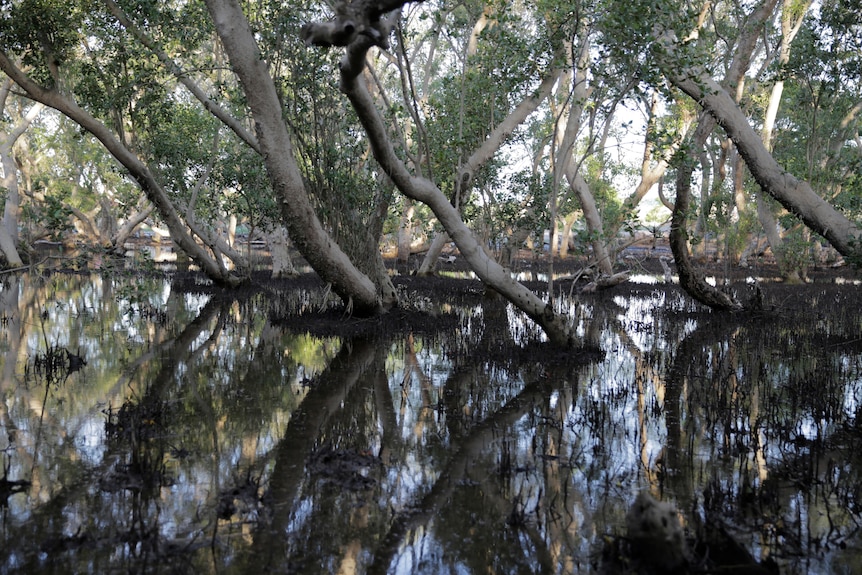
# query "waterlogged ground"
(154, 425)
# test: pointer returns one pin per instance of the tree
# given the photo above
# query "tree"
(46, 34)
(794, 194)
(23, 117)
(359, 33)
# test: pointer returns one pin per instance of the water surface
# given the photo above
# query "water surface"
(145, 428)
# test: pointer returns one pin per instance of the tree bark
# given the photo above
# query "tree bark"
(9, 225)
(126, 229)
(691, 279)
(405, 232)
(356, 289)
(464, 177)
(593, 220)
(423, 190)
(137, 168)
(795, 195)
(282, 265)
(789, 29)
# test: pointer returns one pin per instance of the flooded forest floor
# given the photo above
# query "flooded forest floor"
(153, 423)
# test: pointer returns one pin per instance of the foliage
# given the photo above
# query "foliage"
(51, 214)
(443, 96)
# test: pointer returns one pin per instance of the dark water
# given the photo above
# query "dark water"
(200, 436)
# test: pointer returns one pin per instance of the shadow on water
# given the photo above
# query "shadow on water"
(150, 425)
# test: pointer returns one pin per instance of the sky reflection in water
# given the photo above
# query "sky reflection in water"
(202, 437)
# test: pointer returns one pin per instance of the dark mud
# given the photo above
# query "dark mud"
(759, 288)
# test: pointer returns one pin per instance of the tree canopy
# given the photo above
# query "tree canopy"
(491, 123)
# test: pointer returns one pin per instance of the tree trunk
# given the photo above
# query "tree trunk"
(795, 195)
(9, 233)
(429, 262)
(282, 265)
(464, 177)
(405, 232)
(126, 229)
(357, 290)
(138, 170)
(423, 190)
(789, 29)
(691, 279)
(593, 220)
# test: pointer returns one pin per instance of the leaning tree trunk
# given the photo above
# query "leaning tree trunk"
(422, 190)
(795, 195)
(145, 178)
(690, 278)
(593, 220)
(304, 227)
(125, 231)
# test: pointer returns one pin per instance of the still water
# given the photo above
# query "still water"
(146, 429)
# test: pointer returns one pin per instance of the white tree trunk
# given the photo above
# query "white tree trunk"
(356, 289)
(405, 231)
(9, 235)
(422, 190)
(794, 194)
(429, 262)
(789, 29)
(593, 220)
(464, 177)
(143, 211)
(282, 265)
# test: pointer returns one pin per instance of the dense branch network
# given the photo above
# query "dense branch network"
(354, 19)
(364, 13)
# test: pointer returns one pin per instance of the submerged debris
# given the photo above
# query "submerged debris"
(656, 543)
(656, 538)
(346, 469)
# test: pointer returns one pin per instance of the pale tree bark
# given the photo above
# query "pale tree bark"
(795, 195)
(652, 170)
(791, 22)
(565, 165)
(358, 291)
(497, 137)
(690, 279)
(461, 189)
(405, 231)
(222, 246)
(102, 226)
(148, 182)
(86, 224)
(143, 209)
(435, 248)
(282, 264)
(593, 221)
(464, 177)
(9, 226)
(423, 190)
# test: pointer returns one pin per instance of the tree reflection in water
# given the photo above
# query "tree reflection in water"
(202, 435)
